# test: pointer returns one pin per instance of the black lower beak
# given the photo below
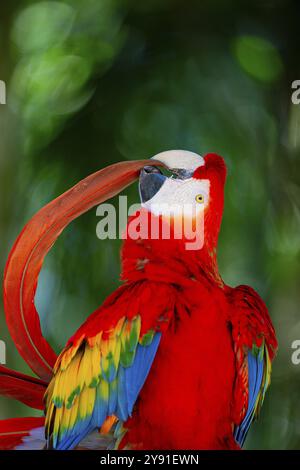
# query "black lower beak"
(151, 180)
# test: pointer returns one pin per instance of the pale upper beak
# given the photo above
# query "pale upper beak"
(180, 159)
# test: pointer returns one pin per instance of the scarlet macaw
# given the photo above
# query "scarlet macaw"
(173, 359)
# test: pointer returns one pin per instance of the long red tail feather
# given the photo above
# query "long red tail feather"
(26, 389)
(34, 242)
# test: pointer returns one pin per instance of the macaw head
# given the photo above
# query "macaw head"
(191, 196)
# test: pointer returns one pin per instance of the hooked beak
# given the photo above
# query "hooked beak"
(150, 182)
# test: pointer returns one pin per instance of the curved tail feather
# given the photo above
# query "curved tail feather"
(27, 255)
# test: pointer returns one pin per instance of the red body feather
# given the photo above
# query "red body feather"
(186, 401)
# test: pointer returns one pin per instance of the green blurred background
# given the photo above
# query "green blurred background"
(91, 82)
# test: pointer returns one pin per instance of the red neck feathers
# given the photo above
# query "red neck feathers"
(215, 171)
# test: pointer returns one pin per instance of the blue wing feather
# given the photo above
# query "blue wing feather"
(255, 379)
(136, 376)
(122, 396)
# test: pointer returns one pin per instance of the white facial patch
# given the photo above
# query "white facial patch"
(178, 197)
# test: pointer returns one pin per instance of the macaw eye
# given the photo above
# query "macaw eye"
(199, 198)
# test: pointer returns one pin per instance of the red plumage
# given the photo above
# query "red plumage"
(21, 387)
(13, 431)
(196, 393)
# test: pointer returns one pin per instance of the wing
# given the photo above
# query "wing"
(257, 375)
(255, 346)
(100, 373)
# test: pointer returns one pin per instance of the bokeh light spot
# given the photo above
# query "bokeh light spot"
(258, 57)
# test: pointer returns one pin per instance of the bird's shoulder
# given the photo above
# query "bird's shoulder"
(250, 320)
